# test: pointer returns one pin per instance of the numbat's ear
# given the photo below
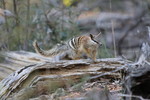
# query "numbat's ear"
(95, 36)
(92, 36)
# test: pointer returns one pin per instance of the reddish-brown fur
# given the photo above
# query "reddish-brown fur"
(79, 45)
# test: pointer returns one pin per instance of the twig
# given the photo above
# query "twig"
(98, 34)
(28, 15)
(147, 62)
(16, 12)
(113, 37)
(132, 96)
(113, 34)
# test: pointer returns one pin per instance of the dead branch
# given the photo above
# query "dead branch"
(136, 81)
(131, 96)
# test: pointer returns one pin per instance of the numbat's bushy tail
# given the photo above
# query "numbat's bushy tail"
(52, 52)
(83, 44)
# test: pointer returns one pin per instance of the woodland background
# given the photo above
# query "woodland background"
(123, 24)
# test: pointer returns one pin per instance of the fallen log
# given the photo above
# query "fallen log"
(44, 77)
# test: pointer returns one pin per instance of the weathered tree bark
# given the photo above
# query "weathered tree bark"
(41, 75)
(136, 81)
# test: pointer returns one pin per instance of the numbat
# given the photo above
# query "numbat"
(85, 44)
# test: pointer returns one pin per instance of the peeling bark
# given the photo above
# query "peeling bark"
(36, 77)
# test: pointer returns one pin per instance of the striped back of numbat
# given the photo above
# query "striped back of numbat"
(77, 42)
